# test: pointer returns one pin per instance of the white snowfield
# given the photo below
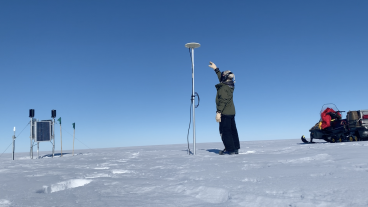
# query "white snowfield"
(265, 173)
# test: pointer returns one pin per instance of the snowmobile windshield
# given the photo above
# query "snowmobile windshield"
(329, 105)
(328, 108)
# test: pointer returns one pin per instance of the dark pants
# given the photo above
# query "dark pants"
(229, 133)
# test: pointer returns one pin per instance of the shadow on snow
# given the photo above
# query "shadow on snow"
(216, 151)
(55, 155)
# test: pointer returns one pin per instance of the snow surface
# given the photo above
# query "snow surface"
(265, 173)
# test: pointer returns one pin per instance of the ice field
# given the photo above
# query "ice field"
(265, 173)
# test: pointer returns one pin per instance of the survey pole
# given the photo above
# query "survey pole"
(73, 141)
(31, 115)
(73, 137)
(53, 116)
(61, 138)
(13, 143)
(53, 137)
(31, 143)
(193, 104)
(61, 141)
(191, 46)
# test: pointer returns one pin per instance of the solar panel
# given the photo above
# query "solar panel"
(43, 131)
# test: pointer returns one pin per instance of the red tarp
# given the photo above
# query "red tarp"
(326, 119)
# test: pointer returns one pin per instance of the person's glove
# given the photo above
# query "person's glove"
(218, 117)
(212, 65)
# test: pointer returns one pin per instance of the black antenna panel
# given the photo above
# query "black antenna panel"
(31, 113)
(53, 113)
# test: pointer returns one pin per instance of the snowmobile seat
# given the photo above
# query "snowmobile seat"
(339, 123)
(337, 126)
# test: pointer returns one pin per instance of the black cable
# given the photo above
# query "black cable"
(12, 141)
(196, 94)
(23, 129)
(190, 121)
(77, 139)
(6, 148)
(83, 143)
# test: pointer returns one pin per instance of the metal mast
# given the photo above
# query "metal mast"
(31, 115)
(53, 115)
(191, 46)
(13, 144)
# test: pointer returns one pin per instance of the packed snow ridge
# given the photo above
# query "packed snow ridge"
(265, 173)
(73, 183)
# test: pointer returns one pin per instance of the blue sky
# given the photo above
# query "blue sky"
(120, 71)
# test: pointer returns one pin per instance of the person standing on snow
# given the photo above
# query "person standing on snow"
(225, 113)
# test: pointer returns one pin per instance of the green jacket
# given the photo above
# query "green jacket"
(224, 97)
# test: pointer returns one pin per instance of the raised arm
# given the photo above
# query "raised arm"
(217, 70)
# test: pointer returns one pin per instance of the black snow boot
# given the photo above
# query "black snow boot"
(224, 152)
(236, 151)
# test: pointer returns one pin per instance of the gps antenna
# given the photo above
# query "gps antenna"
(191, 47)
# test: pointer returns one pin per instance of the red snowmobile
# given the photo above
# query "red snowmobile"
(332, 128)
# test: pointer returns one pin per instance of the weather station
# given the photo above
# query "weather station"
(41, 131)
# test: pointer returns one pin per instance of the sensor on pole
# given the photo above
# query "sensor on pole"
(192, 46)
(13, 144)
